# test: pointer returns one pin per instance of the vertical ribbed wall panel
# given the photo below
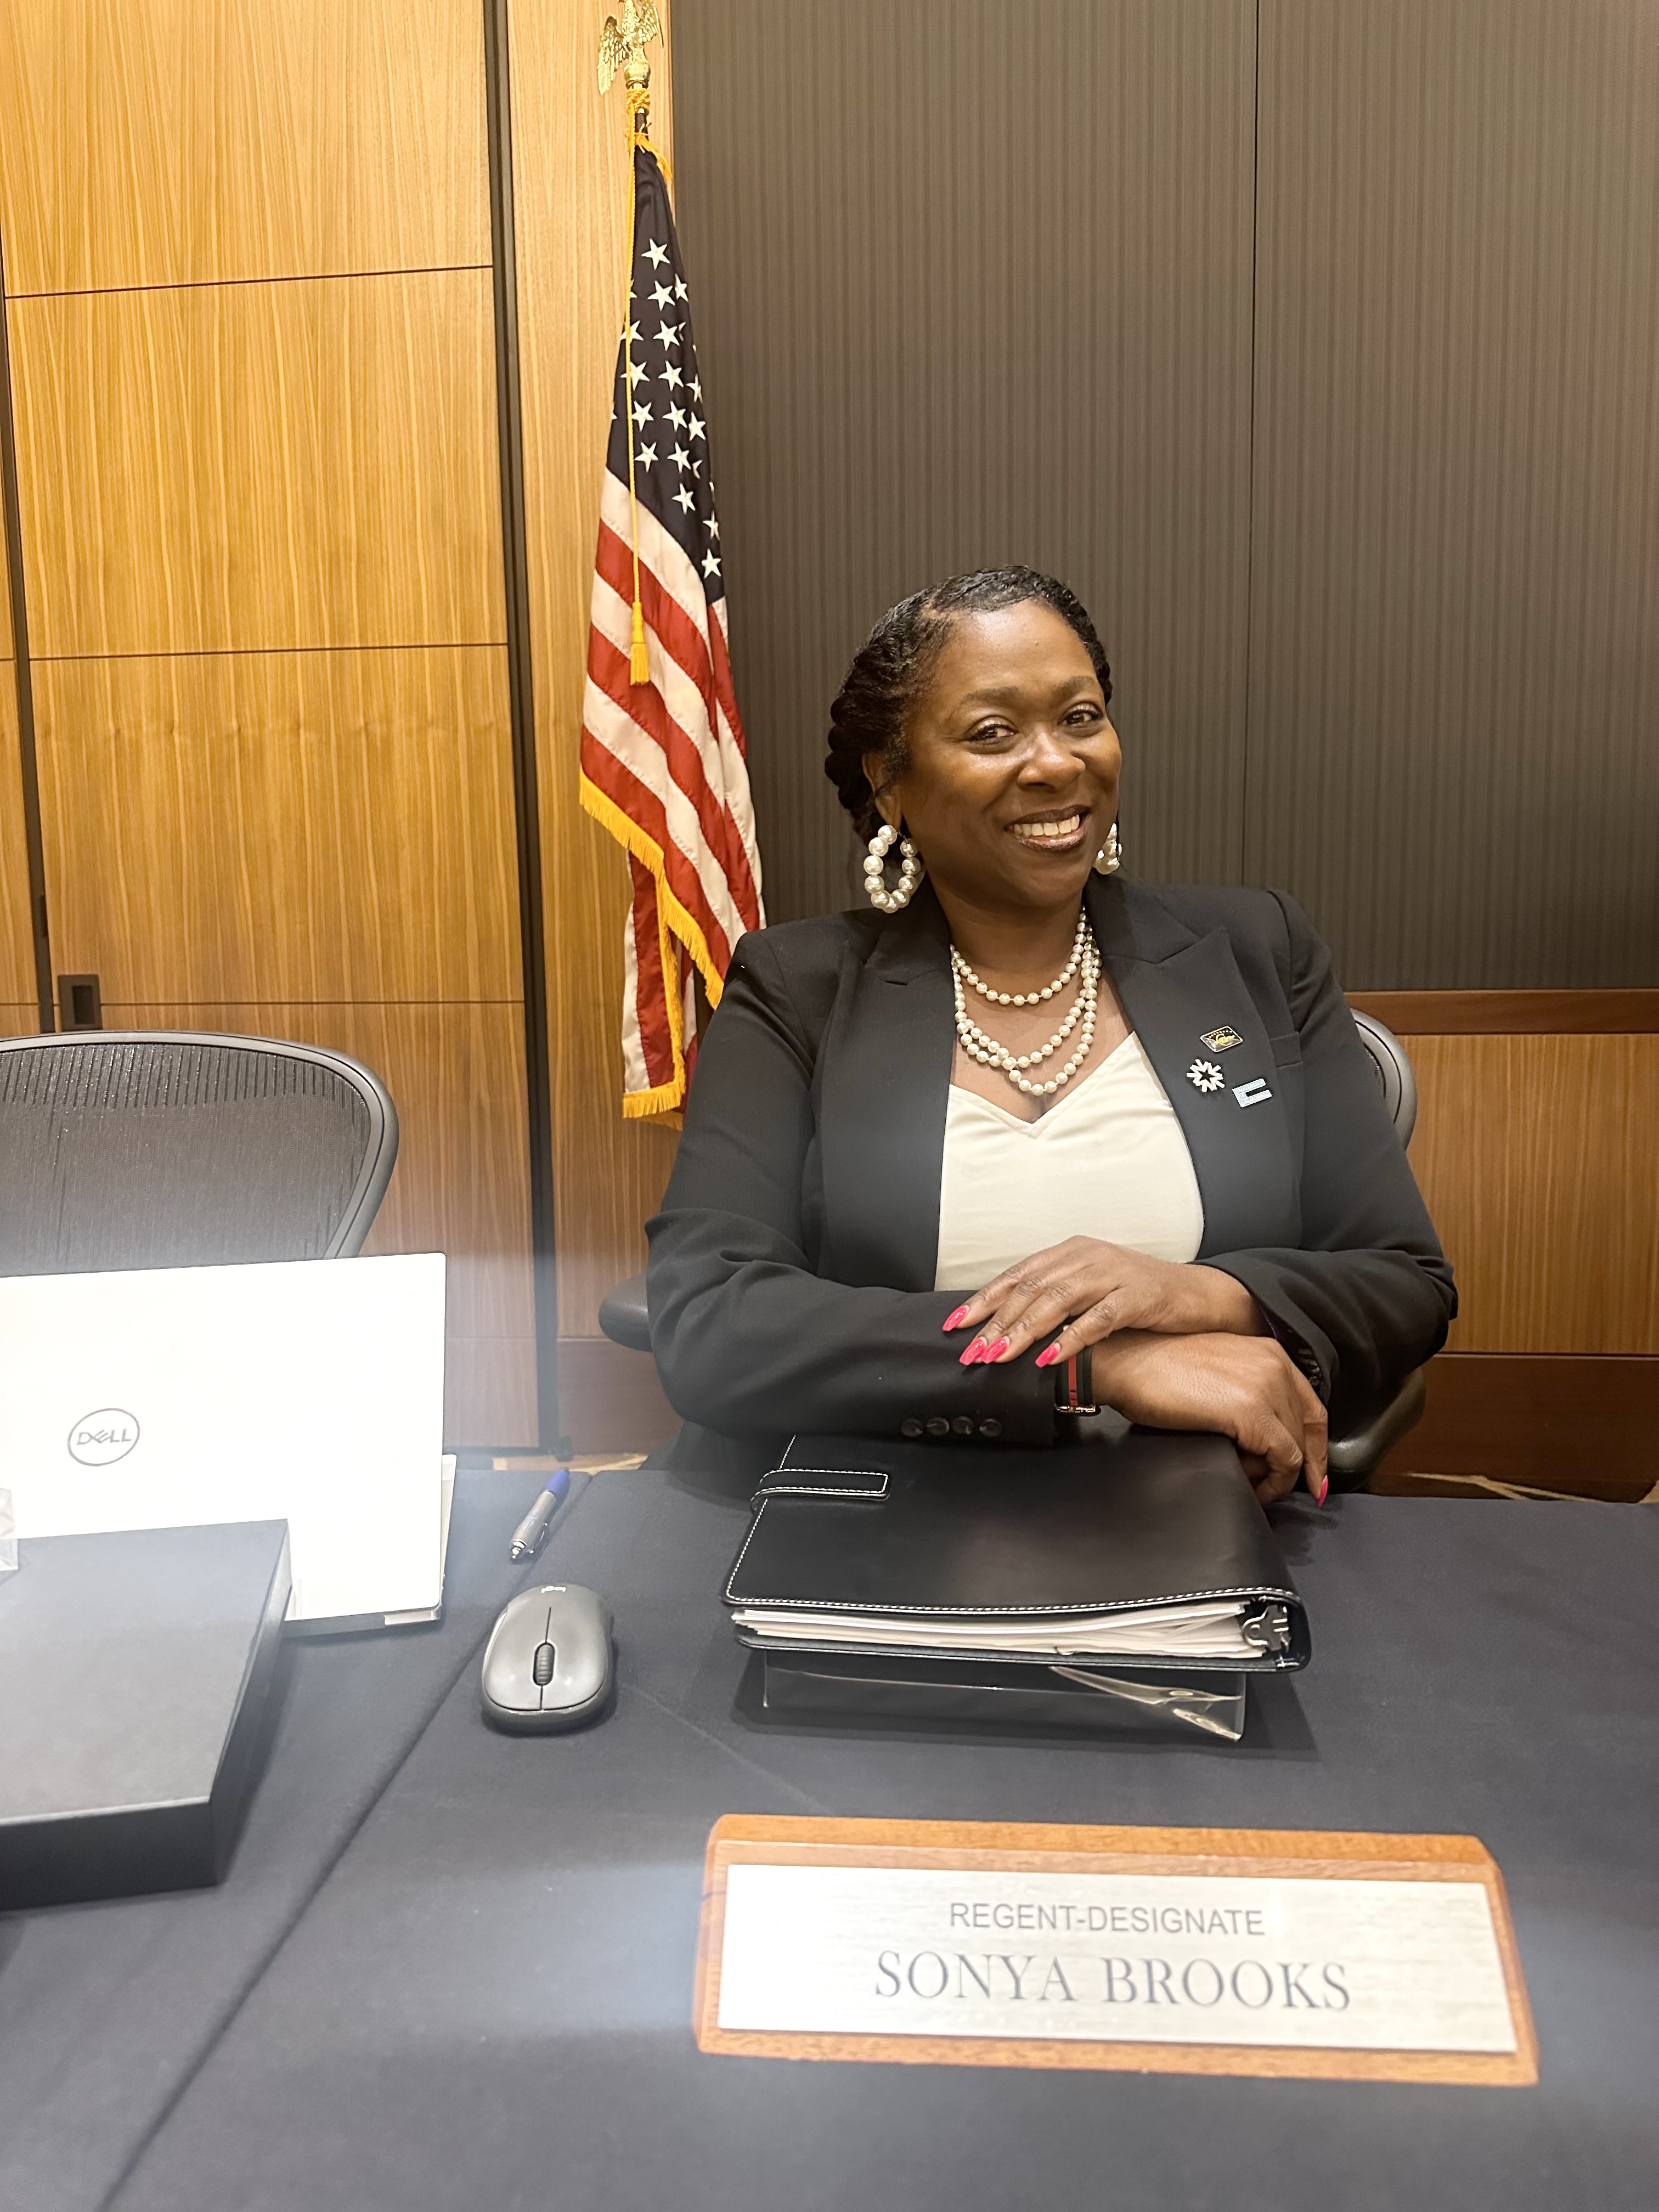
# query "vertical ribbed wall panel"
(972, 284)
(1454, 712)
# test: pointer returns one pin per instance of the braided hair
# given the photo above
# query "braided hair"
(890, 669)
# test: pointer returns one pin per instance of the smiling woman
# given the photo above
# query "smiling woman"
(1136, 1127)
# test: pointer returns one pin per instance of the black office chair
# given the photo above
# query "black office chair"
(170, 1149)
(1354, 1457)
(1394, 1073)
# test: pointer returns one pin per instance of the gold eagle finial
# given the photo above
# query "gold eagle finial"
(623, 46)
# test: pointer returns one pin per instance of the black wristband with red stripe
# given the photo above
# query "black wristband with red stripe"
(1073, 1387)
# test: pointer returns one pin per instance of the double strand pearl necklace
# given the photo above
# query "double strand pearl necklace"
(989, 1054)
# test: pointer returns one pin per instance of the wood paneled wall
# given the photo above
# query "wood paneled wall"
(18, 1010)
(1538, 1157)
(572, 179)
(248, 254)
(276, 466)
(1535, 1150)
(170, 142)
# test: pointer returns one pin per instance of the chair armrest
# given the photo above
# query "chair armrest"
(1358, 1455)
(624, 1316)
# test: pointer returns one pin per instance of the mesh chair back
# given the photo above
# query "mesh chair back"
(1394, 1073)
(171, 1150)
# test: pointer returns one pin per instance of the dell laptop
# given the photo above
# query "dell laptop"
(303, 1390)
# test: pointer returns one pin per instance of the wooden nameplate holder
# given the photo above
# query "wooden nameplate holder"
(1341, 1957)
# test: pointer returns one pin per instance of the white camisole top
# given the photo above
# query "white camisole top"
(1108, 1159)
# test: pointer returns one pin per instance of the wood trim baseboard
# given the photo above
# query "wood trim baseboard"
(1512, 1014)
(1578, 1422)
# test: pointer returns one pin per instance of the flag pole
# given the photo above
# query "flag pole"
(625, 42)
(637, 79)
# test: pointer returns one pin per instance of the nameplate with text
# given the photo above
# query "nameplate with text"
(1174, 1950)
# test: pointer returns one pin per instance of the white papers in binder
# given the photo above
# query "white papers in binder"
(1213, 1629)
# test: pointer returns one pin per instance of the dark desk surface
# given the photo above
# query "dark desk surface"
(107, 2009)
(487, 2002)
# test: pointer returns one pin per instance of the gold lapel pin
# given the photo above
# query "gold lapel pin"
(1221, 1040)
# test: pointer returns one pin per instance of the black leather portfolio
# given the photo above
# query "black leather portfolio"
(134, 1669)
(897, 1577)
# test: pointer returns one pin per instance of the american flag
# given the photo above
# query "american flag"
(662, 749)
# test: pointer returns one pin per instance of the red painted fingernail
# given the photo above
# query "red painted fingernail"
(1324, 1487)
(956, 1320)
(974, 1354)
(1048, 1356)
(998, 1349)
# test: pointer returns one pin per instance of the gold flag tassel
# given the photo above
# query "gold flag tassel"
(639, 655)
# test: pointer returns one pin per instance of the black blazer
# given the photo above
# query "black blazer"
(791, 1264)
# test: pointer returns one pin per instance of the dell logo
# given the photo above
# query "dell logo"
(99, 1439)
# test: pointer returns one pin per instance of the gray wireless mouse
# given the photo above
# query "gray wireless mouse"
(548, 1663)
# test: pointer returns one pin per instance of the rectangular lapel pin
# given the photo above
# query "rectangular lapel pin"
(1253, 1093)
(1221, 1040)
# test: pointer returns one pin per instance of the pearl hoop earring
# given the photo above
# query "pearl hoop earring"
(1109, 858)
(875, 871)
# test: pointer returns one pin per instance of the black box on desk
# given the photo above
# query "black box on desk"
(134, 1669)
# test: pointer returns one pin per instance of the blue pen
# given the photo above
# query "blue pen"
(532, 1532)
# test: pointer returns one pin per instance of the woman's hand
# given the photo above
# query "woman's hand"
(1245, 1388)
(1096, 1288)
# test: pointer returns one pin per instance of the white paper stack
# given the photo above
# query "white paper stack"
(1211, 1629)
